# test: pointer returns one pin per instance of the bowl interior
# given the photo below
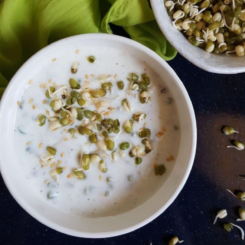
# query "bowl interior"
(210, 62)
(108, 226)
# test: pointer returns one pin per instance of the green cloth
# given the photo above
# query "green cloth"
(138, 20)
(27, 26)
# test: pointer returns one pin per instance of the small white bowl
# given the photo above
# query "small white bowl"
(222, 64)
(108, 226)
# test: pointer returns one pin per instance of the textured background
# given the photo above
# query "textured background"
(217, 100)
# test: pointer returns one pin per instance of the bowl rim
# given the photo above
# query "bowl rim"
(202, 65)
(30, 210)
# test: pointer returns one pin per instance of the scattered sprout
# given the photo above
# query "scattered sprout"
(102, 166)
(120, 85)
(91, 59)
(81, 102)
(138, 160)
(227, 130)
(105, 133)
(146, 79)
(63, 114)
(137, 151)
(126, 105)
(105, 77)
(53, 173)
(133, 77)
(42, 120)
(72, 131)
(59, 170)
(86, 96)
(98, 126)
(142, 86)
(49, 92)
(74, 84)
(145, 133)
(116, 123)
(221, 214)
(133, 86)
(79, 173)
(241, 212)
(116, 130)
(241, 176)
(101, 145)
(74, 67)
(144, 97)
(110, 144)
(84, 130)
(114, 156)
(93, 138)
(51, 150)
(124, 146)
(75, 94)
(229, 226)
(94, 158)
(88, 114)
(148, 147)
(53, 119)
(56, 104)
(79, 115)
(71, 100)
(240, 195)
(65, 121)
(174, 241)
(54, 125)
(106, 86)
(237, 145)
(102, 104)
(85, 161)
(97, 93)
(139, 117)
(96, 117)
(128, 126)
(108, 124)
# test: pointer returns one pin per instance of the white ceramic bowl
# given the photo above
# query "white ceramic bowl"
(210, 62)
(96, 227)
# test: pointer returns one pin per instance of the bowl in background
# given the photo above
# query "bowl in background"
(222, 64)
(100, 226)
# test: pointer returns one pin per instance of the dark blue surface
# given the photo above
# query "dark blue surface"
(217, 100)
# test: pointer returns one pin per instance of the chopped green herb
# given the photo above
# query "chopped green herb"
(21, 131)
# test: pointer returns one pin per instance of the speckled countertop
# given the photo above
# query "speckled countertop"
(217, 100)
